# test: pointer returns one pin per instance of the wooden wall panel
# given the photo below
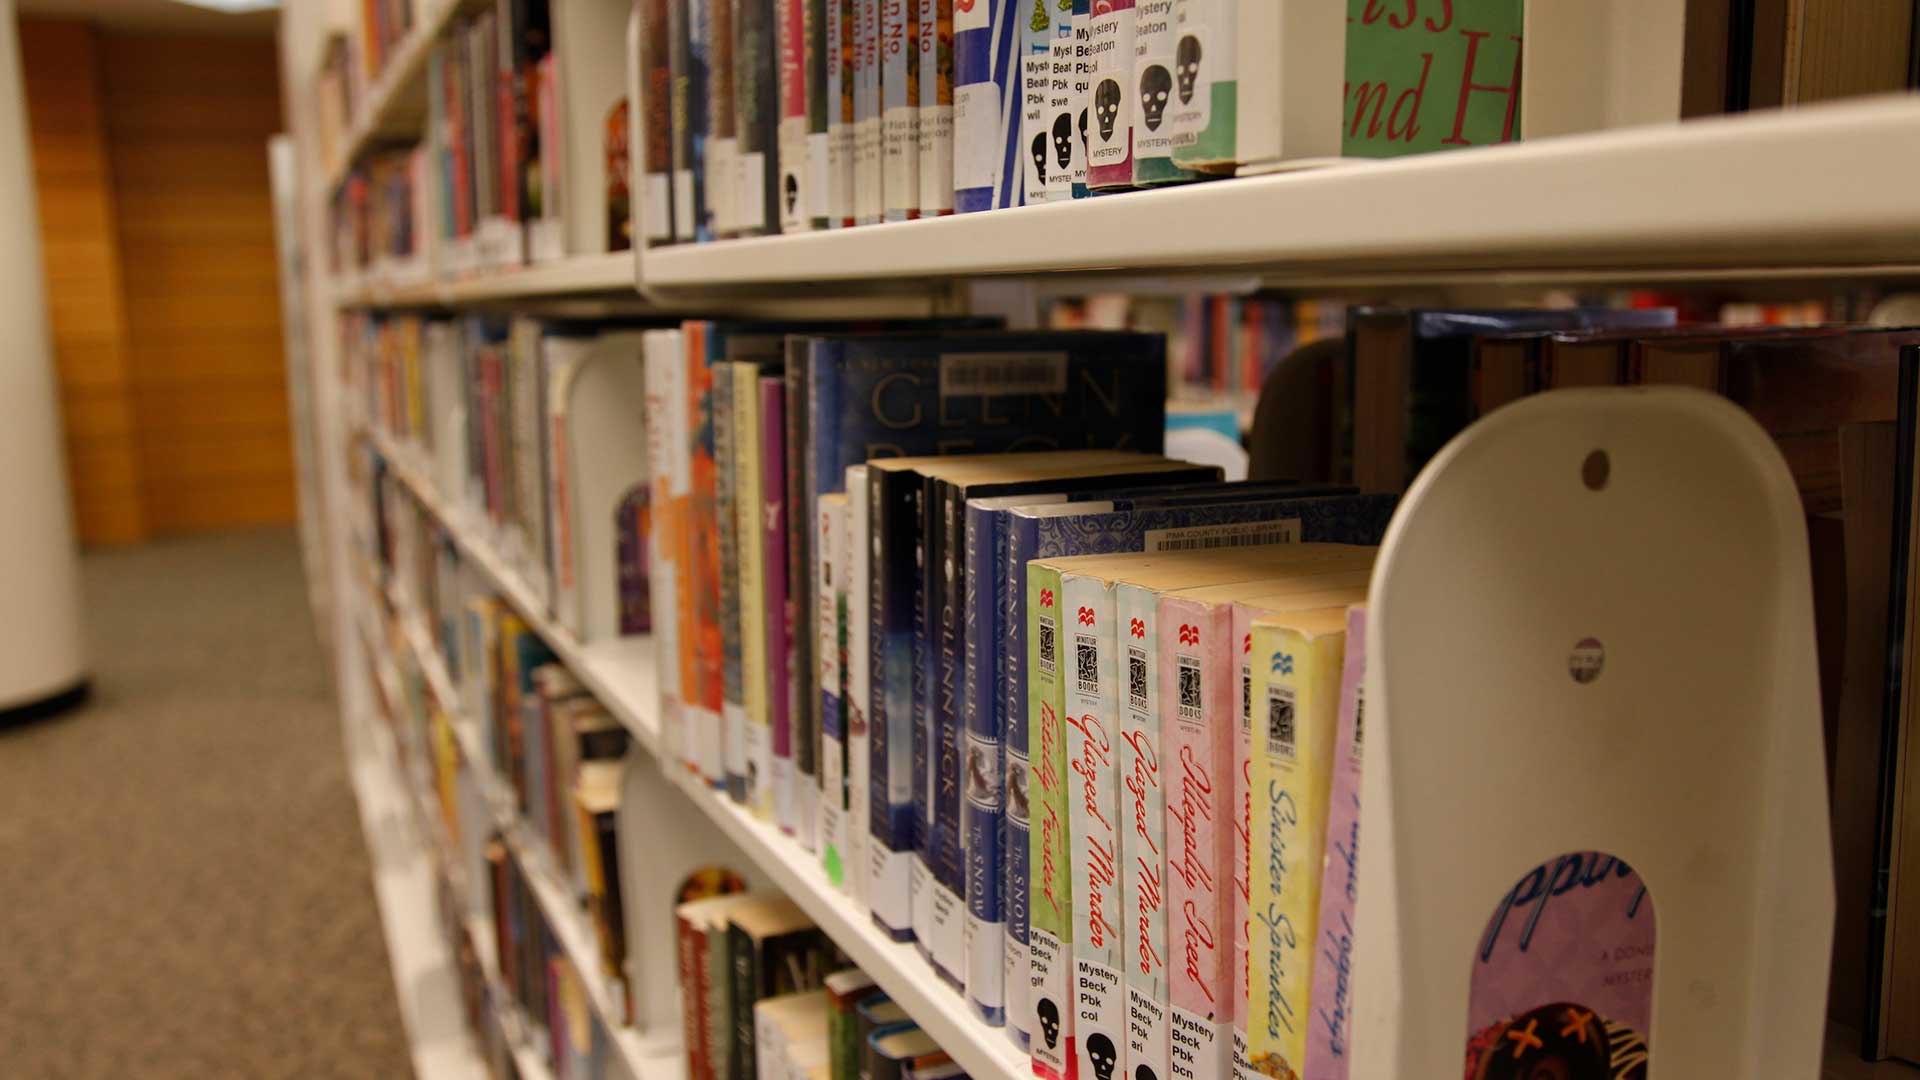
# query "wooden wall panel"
(80, 251)
(187, 131)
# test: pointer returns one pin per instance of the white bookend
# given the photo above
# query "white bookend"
(1588, 67)
(605, 450)
(1648, 623)
(670, 478)
(1292, 60)
(589, 39)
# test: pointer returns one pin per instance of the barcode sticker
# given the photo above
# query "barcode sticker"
(1046, 646)
(1189, 687)
(1359, 715)
(1280, 727)
(1136, 679)
(1236, 534)
(1002, 374)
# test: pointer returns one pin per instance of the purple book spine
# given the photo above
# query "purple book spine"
(773, 456)
(1330, 1028)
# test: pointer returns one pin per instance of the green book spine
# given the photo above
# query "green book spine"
(1051, 935)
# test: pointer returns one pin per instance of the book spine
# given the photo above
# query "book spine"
(900, 113)
(948, 861)
(983, 813)
(1329, 1019)
(666, 456)
(814, 22)
(840, 124)
(752, 577)
(933, 52)
(795, 196)
(1050, 936)
(890, 716)
(1196, 698)
(869, 142)
(1110, 52)
(1240, 630)
(720, 997)
(744, 953)
(698, 93)
(1081, 91)
(1298, 692)
(702, 686)
(723, 147)
(986, 106)
(1143, 830)
(1036, 95)
(829, 530)
(1010, 665)
(756, 96)
(566, 592)
(792, 809)
(920, 887)
(733, 707)
(693, 1000)
(680, 138)
(657, 212)
(1206, 92)
(1091, 724)
(802, 676)
(856, 695)
(1060, 140)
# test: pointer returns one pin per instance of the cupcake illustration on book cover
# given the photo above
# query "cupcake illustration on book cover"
(1563, 977)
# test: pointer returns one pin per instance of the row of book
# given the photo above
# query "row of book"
(765, 995)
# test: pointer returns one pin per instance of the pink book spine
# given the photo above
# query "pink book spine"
(1197, 706)
(1242, 640)
(1330, 1024)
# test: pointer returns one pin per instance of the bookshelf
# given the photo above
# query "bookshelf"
(1810, 194)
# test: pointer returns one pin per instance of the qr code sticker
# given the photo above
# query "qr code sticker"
(1189, 688)
(1280, 726)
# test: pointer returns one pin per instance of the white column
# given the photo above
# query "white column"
(41, 641)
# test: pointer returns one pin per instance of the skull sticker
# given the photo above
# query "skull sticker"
(1144, 1072)
(1049, 1022)
(1155, 85)
(1063, 139)
(793, 194)
(1100, 1051)
(1186, 64)
(1106, 106)
(1040, 156)
(1083, 131)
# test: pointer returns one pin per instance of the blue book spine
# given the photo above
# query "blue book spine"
(944, 579)
(694, 184)
(925, 758)
(986, 113)
(1009, 584)
(890, 712)
(985, 781)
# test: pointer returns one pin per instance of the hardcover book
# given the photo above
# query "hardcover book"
(840, 112)
(723, 117)
(687, 57)
(795, 799)
(794, 191)
(656, 158)
(857, 694)
(933, 53)
(701, 664)
(814, 81)
(774, 949)
(901, 1051)
(756, 76)
(1428, 80)
(1330, 1015)
(749, 505)
(729, 472)
(845, 989)
(987, 173)
(1297, 665)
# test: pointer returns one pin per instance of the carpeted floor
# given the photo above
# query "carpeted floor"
(184, 891)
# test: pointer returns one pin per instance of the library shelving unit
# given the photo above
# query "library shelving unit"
(1809, 194)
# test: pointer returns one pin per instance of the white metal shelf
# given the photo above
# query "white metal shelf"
(1810, 190)
(621, 675)
(575, 275)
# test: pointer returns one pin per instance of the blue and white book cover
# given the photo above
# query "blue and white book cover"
(987, 168)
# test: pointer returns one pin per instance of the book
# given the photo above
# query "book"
(783, 1023)
(688, 22)
(1155, 46)
(805, 699)
(1066, 156)
(1080, 99)
(1298, 662)
(723, 119)
(729, 472)
(1419, 81)
(1412, 377)
(856, 693)
(1110, 55)
(700, 581)
(1050, 920)
(872, 1013)
(757, 182)
(795, 790)
(829, 632)
(896, 1051)
(845, 989)
(840, 112)
(987, 174)
(774, 949)
(1041, 22)
(794, 191)
(597, 795)
(815, 25)
(748, 504)
(869, 135)
(1329, 1020)
(1206, 93)
(933, 135)
(899, 109)
(705, 1008)
(657, 212)
(1567, 956)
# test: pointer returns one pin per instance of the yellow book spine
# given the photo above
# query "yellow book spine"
(751, 553)
(1296, 698)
